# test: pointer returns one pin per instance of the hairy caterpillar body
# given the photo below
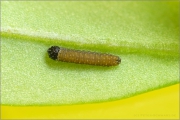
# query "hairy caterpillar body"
(83, 57)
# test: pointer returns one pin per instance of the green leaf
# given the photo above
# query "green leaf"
(144, 34)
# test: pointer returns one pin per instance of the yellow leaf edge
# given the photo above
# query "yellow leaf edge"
(158, 104)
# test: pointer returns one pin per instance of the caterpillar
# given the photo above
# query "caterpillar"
(82, 57)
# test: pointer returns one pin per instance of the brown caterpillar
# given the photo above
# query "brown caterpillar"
(82, 57)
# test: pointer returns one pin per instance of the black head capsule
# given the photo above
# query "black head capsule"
(53, 52)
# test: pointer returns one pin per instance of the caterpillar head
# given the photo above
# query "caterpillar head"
(53, 52)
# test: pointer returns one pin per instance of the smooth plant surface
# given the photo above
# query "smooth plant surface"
(144, 106)
(144, 34)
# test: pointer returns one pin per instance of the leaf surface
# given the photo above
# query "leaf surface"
(144, 35)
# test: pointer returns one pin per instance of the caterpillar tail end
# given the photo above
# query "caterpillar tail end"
(53, 52)
(118, 60)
